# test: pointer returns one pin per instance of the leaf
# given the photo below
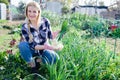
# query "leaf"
(64, 29)
(116, 33)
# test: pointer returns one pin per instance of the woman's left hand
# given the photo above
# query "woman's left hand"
(55, 34)
(60, 47)
(57, 44)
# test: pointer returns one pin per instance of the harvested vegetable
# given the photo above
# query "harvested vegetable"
(64, 29)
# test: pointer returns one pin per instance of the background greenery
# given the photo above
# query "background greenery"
(85, 56)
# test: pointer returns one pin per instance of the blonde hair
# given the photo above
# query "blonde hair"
(37, 6)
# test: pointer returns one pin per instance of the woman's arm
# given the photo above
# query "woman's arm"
(55, 33)
(39, 47)
(47, 46)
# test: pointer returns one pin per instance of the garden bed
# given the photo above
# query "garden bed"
(82, 58)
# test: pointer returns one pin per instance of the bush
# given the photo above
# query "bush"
(65, 10)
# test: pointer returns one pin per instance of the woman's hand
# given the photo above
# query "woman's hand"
(55, 34)
(48, 46)
(53, 47)
(60, 47)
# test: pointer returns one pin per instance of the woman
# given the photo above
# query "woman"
(36, 32)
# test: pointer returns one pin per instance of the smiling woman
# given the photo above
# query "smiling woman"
(36, 33)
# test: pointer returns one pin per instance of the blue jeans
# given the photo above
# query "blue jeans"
(47, 57)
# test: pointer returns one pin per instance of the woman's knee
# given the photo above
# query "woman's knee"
(25, 51)
(49, 57)
(23, 44)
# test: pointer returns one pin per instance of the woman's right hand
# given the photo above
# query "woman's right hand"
(60, 46)
(45, 46)
(48, 46)
(55, 33)
(53, 47)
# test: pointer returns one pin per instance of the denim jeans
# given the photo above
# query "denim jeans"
(47, 57)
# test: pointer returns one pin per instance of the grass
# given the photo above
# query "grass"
(110, 43)
(3, 21)
(5, 38)
(80, 59)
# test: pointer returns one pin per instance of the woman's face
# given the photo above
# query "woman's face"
(32, 13)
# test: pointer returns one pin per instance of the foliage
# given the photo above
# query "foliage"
(21, 7)
(16, 29)
(65, 10)
(12, 66)
(96, 28)
(77, 20)
(64, 29)
(4, 1)
(116, 33)
(80, 59)
(55, 19)
(3, 21)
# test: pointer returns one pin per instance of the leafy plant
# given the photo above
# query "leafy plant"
(4, 1)
(80, 59)
(96, 28)
(116, 33)
(64, 29)
(21, 7)
(65, 10)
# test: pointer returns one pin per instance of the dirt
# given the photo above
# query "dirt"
(3, 32)
(12, 23)
(15, 22)
(9, 23)
(111, 43)
(4, 37)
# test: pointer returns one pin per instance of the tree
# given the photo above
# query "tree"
(21, 7)
(118, 4)
(66, 6)
(115, 5)
(64, 2)
(4, 1)
(101, 3)
(90, 2)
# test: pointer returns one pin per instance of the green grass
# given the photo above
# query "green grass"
(81, 58)
(3, 21)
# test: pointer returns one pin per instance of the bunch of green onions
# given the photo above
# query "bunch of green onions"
(63, 30)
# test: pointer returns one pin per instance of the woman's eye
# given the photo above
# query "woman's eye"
(34, 11)
(29, 11)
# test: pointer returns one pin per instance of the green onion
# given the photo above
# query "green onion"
(64, 29)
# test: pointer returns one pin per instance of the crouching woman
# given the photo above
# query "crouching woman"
(36, 31)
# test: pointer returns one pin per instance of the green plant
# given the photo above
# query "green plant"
(80, 59)
(4, 1)
(3, 21)
(65, 10)
(21, 7)
(116, 33)
(64, 29)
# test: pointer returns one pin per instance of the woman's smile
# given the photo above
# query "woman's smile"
(32, 13)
